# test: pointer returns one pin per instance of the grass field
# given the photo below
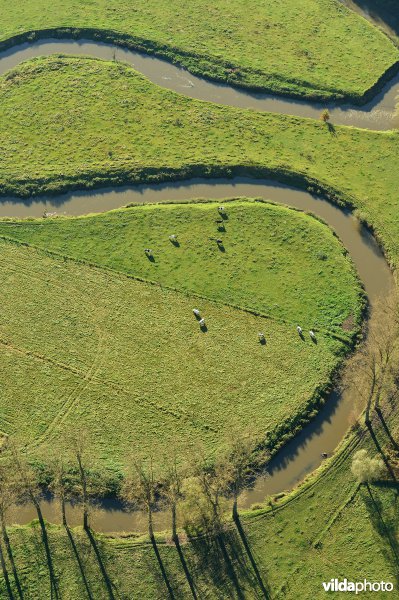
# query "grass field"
(84, 345)
(326, 530)
(280, 262)
(116, 127)
(310, 48)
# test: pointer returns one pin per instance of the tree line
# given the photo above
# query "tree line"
(197, 494)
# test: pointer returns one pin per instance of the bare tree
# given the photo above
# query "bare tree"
(140, 490)
(59, 483)
(243, 460)
(212, 483)
(30, 491)
(374, 368)
(172, 492)
(78, 447)
(8, 496)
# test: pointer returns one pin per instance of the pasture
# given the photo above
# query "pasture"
(312, 48)
(127, 359)
(271, 259)
(118, 128)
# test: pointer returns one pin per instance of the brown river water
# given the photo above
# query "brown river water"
(378, 114)
(303, 454)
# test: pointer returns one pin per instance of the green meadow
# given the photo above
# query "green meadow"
(274, 260)
(86, 345)
(94, 334)
(115, 127)
(313, 48)
(329, 528)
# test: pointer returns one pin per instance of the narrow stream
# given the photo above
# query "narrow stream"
(378, 114)
(303, 454)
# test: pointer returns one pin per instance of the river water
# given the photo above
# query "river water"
(303, 454)
(378, 114)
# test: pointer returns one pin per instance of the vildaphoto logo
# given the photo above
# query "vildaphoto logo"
(336, 585)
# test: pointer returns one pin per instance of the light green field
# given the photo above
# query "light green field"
(310, 47)
(87, 345)
(326, 530)
(280, 262)
(80, 345)
(68, 122)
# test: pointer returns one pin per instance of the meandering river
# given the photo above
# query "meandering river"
(303, 454)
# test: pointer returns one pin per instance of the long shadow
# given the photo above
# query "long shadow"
(79, 561)
(381, 452)
(331, 129)
(104, 573)
(241, 532)
(185, 567)
(386, 429)
(54, 592)
(5, 574)
(213, 559)
(385, 530)
(12, 561)
(162, 568)
(230, 568)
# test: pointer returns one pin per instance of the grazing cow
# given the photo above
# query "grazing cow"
(173, 238)
(196, 312)
(261, 337)
(299, 330)
(202, 322)
(221, 209)
(312, 334)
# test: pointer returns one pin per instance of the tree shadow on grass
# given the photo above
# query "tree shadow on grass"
(107, 580)
(79, 561)
(223, 561)
(331, 129)
(41, 554)
(265, 591)
(10, 555)
(386, 525)
(190, 579)
(394, 443)
(5, 574)
(54, 590)
(162, 568)
(381, 452)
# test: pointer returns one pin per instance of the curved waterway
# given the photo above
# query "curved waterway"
(303, 454)
(378, 114)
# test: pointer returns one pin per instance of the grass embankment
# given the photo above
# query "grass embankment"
(313, 48)
(115, 127)
(326, 530)
(85, 346)
(274, 260)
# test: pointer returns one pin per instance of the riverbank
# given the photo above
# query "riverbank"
(308, 535)
(276, 47)
(303, 454)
